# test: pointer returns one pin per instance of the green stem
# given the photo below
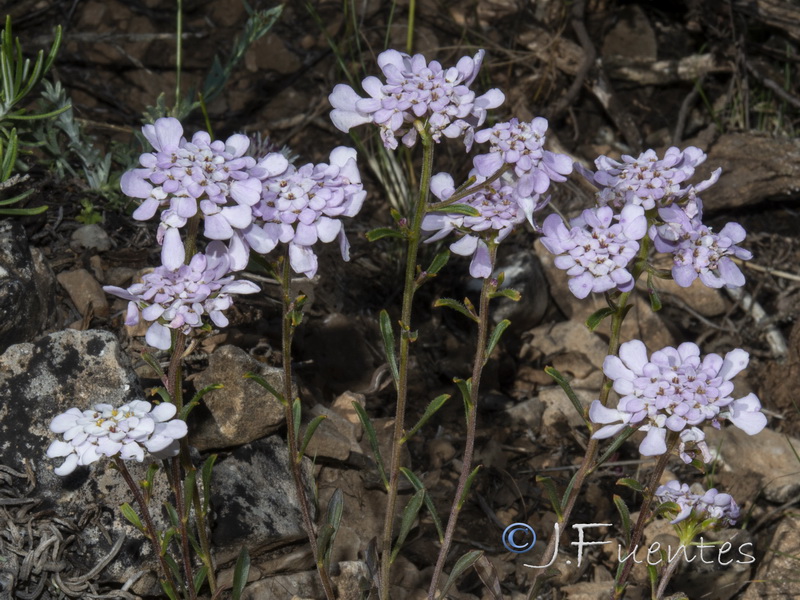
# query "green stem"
(178, 52)
(409, 287)
(489, 286)
(644, 514)
(295, 458)
(412, 9)
(183, 520)
(152, 532)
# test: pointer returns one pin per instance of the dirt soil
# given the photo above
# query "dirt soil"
(612, 77)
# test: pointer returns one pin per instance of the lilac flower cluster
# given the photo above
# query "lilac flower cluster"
(178, 299)
(708, 505)
(675, 390)
(416, 90)
(499, 212)
(522, 145)
(126, 431)
(658, 187)
(597, 248)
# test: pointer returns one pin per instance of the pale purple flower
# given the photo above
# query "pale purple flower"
(698, 251)
(675, 390)
(180, 298)
(710, 504)
(647, 180)
(597, 248)
(522, 145)
(500, 209)
(302, 206)
(416, 90)
(183, 177)
(126, 431)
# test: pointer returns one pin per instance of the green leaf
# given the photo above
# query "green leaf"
(652, 574)
(169, 590)
(497, 333)
(173, 515)
(22, 212)
(205, 477)
(418, 485)
(166, 538)
(189, 486)
(552, 494)
(652, 293)
(625, 516)
(312, 427)
(297, 415)
(197, 398)
(200, 578)
(240, 573)
(462, 564)
(147, 484)
(162, 391)
(430, 410)
(174, 569)
(457, 306)
(618, 441)
(667, 508)
(568, 491)
(148, 358)
(410, 513)
(388, 345)
(594, 320)
(130, 514)
(573, 397)
(438, 262)
(467, 486)
(458, 209)
(509, 293)
(383, 232)
(267, 386)
(631, 483)
(325, 537)
(373, 441)
(465, 387)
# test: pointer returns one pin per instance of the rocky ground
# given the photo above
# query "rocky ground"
(612, 77)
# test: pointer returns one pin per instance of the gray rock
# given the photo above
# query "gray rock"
(90, 237)
(776, 576)
(255, 500)
(27, 288)
(767, 457)
(242, 411)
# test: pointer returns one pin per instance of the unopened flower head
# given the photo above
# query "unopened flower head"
(522, 145)
(698, 252)
(178, 299)
(183, 176)
(647, 180)
(125, 431)
(415, 89)
(597, 248)
(500, 211)
(675, 390)
(303, 206)
(710, 504)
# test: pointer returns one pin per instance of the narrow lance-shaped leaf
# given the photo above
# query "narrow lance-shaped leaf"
(509, 293)
(196, 400)
(597, 317)
(409, 516)
(573, 397)
(312, 427)
(297, 414)
(205, 477)
(467, 487)
(373, 441)
(173, 515)
(166, 538)
(200, 578)
(418, 485)
(240, 573)
(488, 575)
(618, 441)
(652, 293)
(625, 516)
(438, 262)
(631, 483)
(147, 483)
(188, 492)
(169, 590)
(388, 345)
(462, 564)
(456, 306)
(130, 514)
(552, 494)
(465, 387)
(458, 209)
(383, 232)
(431, 409)
(267, 386)
(497, 333)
